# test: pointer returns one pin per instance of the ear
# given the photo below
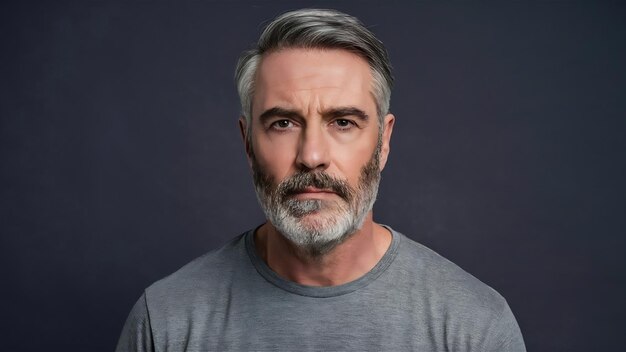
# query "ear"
(388, 122)
(243, 129)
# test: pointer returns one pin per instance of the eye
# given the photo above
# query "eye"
(281, 124)
(344, 124)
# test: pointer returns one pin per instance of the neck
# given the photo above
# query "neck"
(347, 262)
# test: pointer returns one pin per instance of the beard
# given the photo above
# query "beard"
(317, 226)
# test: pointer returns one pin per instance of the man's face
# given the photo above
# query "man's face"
(315, 144)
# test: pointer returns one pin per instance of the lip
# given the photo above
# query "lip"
(315, 190)
(312, 192)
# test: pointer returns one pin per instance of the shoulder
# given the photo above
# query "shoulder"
(202, 275)
(173, 305)
(448, 287)
(457, 299)
(470, 312)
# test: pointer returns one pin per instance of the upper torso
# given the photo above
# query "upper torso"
(412, 300)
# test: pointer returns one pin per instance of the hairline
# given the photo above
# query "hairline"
(259, 61)
(321, 29)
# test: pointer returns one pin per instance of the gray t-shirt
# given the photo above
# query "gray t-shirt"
(230, 300)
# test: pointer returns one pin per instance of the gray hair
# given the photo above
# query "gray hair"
(314, 28)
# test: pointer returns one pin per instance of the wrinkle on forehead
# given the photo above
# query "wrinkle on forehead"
(313, 79)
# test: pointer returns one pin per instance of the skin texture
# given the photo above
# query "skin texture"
(313, 110)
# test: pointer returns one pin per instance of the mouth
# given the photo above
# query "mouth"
(312, 193)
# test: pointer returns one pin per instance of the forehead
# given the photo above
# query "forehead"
(317, 78)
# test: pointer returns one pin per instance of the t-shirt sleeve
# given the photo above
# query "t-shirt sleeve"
(505, 335)
(137, 333)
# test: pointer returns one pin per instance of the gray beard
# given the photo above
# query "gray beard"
(316, 226)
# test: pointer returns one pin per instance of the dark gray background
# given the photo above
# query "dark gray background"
(121, 158)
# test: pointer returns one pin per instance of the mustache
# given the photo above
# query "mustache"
(321, 180)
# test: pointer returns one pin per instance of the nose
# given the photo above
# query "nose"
(313, 149)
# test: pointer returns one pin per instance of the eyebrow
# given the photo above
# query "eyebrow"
(331, 113)
(346, 111)
(278, 112)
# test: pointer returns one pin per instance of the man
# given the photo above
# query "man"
(320, 274)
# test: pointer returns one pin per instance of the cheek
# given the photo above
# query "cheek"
(276, 156)
(350, 159)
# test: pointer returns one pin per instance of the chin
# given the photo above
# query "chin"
(317, 233)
